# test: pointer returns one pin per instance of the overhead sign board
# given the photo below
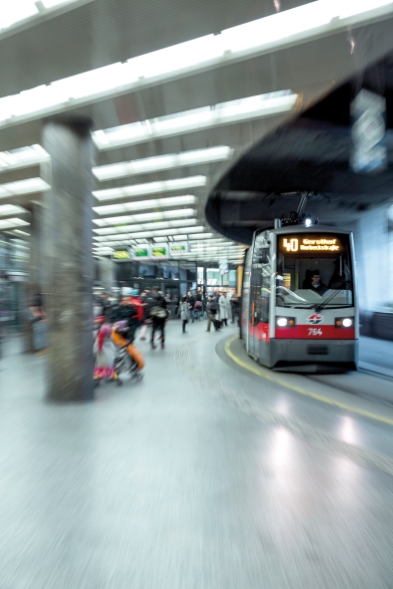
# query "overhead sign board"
(311, 244)
(142, 252)
(179, 248)
(159, 251)
(369, 151)
(223, 267)
(122, 255)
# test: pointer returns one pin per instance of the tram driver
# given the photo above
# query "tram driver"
(316, 283)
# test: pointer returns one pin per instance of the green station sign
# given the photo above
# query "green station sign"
(159, 251)
(121, 255)
(141, 252)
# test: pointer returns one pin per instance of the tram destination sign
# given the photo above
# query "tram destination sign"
(307, 243)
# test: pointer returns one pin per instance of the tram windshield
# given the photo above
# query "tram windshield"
(314, 271)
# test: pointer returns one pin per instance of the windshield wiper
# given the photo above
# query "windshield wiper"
(321, 306)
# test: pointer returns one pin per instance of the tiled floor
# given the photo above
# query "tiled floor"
(198, 477)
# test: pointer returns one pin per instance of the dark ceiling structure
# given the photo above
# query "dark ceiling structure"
(310, 154)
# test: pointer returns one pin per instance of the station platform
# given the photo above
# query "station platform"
(210, 473)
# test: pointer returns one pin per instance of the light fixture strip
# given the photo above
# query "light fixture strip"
(146, 205)
(162, 162)
(275, 32)
(150, 188)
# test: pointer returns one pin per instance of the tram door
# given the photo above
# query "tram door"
(260, 298)
(255, 290)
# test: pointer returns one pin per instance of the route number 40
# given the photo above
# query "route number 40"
(291, 245)
(314, 331)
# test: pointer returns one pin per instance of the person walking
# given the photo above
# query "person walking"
(159, 316)
(225, 308)
(204, 306)
(212, 311)
(147, 301)
(235, 308)
(198, 309)
(191, 305)
(184, 313)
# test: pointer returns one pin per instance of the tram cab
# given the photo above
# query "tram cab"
(299, 310)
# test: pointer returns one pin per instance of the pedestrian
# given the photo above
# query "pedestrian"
(225, 308)
(204, 306)
(198, 308)
(147, 301)
(159, 316)
(184, 313)
(212, 311)
(235, 308)
(191, 305)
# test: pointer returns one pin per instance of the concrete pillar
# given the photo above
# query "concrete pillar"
(107, 274)
(68, 260)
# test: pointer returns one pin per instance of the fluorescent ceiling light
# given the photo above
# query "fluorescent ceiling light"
(275, 32)
(206, 117)
(150, 188)
(162, 162)
(139, 234)
(23, 157)
(18, 232)
(14, 11)
(145, 226)
(28, 186)
(6, 210)
(14, 222)
(141, 205)
(142, 217)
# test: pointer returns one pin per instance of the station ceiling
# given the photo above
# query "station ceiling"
(237, 97)
(310, 154)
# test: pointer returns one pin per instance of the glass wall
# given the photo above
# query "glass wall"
(14, 263)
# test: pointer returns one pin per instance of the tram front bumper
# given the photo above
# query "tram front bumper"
(297, 355)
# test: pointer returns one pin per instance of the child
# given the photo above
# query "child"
(104, 355)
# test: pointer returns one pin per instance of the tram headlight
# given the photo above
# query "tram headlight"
(308, 222)
(285, 321)
(345, 322)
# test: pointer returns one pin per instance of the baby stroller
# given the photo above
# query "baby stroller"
(128, 360)
(104, 353)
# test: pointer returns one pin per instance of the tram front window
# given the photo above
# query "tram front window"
(314, 270)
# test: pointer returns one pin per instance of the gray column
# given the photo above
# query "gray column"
(107, 274)
(68, 261)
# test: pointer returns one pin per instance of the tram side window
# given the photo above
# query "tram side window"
(260, 294)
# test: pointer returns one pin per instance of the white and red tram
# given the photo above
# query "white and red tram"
(299, 310)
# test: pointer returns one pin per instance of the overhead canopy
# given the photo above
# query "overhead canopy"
(309, 154)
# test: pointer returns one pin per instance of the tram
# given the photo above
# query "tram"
(299, 310)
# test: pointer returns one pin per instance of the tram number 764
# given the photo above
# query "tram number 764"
(314, 331)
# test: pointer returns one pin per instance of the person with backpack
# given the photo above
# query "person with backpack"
(159, 316)
(124, 329)
(212, 313)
